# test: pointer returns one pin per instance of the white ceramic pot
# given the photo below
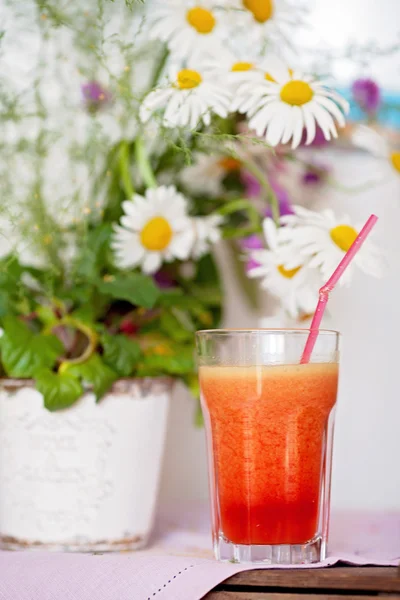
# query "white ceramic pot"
(85, 478)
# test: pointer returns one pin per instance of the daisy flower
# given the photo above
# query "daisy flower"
(154, 229)
(265, 21)
(296, 288)
(190, 97)
(206, 174)
(370, 140)
(286, 102)
(207, 233)
(186, 26)
(322, 239)
(236, 62)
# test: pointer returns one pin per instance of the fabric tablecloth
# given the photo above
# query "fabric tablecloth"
(178, 564)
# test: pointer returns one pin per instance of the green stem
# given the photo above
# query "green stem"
(143, 163)
(124, 170)
(159, 69)
(91, 335)
(232, 233)
(272, 199)
(246, 206)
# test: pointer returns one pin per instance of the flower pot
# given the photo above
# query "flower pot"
(85, 478)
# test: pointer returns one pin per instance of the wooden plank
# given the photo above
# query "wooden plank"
(379, 579)
(224, 595)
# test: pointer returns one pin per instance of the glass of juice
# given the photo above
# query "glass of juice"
(269, 427)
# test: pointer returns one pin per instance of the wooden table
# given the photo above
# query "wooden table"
(333, 583)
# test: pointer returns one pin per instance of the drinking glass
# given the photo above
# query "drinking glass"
(269, 426)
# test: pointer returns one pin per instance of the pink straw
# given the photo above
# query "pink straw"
(330, 284)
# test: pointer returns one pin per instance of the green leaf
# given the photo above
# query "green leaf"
(10, 273)
(23, 352)
(209, 295)
(207, 271)
(178, 299)
(120, 353)
(5, 305)
(180, 363)
(95, 372)
(137, 289)
(46, 315)
(177, 325)
(94, 255)
(59, 390)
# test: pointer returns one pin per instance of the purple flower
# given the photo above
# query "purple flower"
(315, 176)
(252, 242)
(253, 190)
(95, 95)
(319, 140)
(163, 279)
(251, 264)
(285, 206)
(367, 95)
(311, 178)
(252, 186)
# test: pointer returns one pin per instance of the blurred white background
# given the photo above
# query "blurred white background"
(366, 470)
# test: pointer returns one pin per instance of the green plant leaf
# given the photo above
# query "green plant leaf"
(179, 363)
(95, 372)
(94, 254)
(46, 315)
(59, 390)
(138, 289)
(10, 273)
(177, 325)
(120, 353)
(23, 351)
(177, 299)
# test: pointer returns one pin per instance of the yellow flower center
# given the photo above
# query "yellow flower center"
(262, 10)
(229, 164)
(343, 236)
(242, 66)
(305, 317)
(395, 158)
(188, 79)
(156, 234)
(201, 19)
(288, 273)
(296, 92)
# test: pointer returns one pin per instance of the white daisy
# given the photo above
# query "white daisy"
(207, 233)
(323, 239)
(368, 139)
(297, 288)
(234, 62)
(154, 228)
(265, 22)
(206, 174)
(186, 26)
(286, 102)
(190, 97)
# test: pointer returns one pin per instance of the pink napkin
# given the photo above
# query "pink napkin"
(178, 565)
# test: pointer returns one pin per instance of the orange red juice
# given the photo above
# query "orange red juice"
(267, 429)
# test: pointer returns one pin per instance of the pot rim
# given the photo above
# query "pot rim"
(123, 384)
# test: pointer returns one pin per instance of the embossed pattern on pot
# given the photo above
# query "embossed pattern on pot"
(84, 478)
